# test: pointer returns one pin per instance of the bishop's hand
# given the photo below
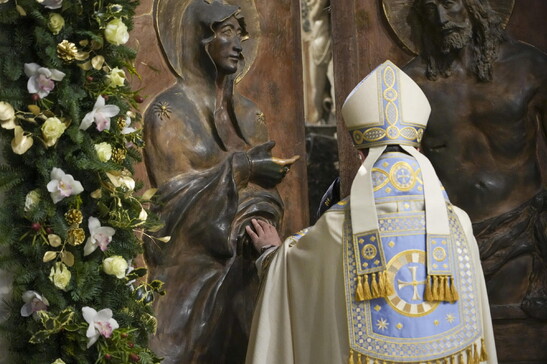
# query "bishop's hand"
(263, 235)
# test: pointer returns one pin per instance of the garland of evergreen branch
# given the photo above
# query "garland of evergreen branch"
(70, 224)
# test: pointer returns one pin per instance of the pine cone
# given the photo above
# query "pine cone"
(73, 216)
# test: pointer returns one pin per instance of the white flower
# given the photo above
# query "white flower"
(115, 266)
(126, 126)
(60, 275)
(99, 236)
(59, 361)
(100, 114)
(22, 141)
(121, 179)
(41, 79)
(62, 185)
(116, 32)
(100, 323)
(31, 200)
(104, 151)
(116, 77)
(7, 115)
(56, 23)
(34, 302)
(51, 4)
(52, 129)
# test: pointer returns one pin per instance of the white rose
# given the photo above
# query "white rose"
(115, 265)
(7, 115)
(32, 199)
(104, 151)
(60, 275)
(56, 23)
(52, 129)
(116, 32)
(116, 78)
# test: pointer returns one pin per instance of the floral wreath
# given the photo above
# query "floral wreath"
(72, 224)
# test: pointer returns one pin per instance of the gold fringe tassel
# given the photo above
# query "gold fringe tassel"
(453, 290)
(440, 288)
(476, 359)
(437, 285)
(483, 356)
(378, 286)
(351, 360)
(469, 354)
(359, 294)
(388, 286)
(382, 283)
(428, 295)
(374, 287)
(366, 288)
(434, 288)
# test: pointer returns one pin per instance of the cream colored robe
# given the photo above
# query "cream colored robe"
(300, 315)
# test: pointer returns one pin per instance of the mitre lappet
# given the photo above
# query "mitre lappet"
(405, 285)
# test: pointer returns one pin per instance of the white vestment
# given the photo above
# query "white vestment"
(300, 315)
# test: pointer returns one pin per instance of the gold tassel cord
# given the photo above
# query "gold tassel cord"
(442, 288)
(388, 286)
(359, 294)
(428, 296)
(469, 354)
(351, 360)
(483, 356)
(366, 288)
(435, 288)
(382, 283)
(453, 290)
(359, 361)
(374, 287)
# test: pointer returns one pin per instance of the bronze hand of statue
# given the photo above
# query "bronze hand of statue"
(268, 171)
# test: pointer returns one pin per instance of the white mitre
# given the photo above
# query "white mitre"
(387, 107)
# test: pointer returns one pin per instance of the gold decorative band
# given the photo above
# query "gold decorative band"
(373, 136)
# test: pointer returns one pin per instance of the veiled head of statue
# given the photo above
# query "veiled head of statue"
(386, 107)
(225, 46)
(189, 31)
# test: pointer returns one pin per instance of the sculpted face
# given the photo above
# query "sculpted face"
(225, 49)
(450, 20)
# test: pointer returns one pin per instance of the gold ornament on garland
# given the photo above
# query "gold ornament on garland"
(118, 155)
(74, 216)
(68, 52)
(76, 236)
(120, 123)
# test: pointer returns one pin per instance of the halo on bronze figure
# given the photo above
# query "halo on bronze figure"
(167, 21)
(397, 13)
